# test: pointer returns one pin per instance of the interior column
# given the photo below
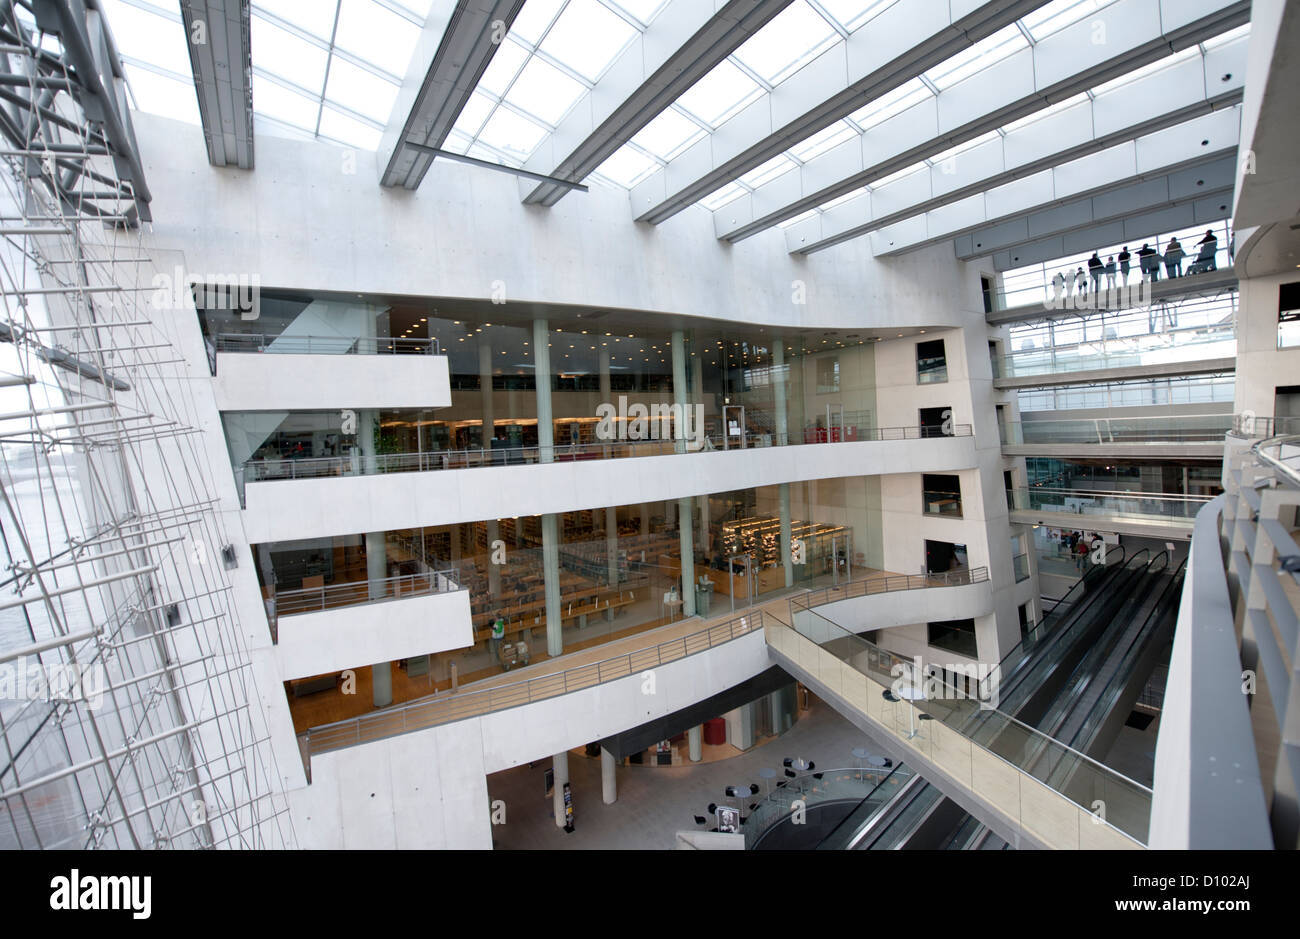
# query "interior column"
(608, 777)
(560, 766)
(551, 522)
(486, 435)
(376, 555)
(684, 506)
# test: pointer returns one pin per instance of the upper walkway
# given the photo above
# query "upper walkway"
(1209, 284)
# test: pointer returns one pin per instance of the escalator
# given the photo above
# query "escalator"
(1072, 680)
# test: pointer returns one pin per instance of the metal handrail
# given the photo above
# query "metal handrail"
(889, 583)
(447, 708)
(315, 599)
(326, 345)
(1117, 493)
(429, 461)
(1289, 472)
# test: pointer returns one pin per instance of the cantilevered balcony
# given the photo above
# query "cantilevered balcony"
(256, 372)
(329, 627)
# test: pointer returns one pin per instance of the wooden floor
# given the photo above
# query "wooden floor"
(327, 707)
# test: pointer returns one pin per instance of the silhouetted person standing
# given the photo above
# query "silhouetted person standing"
(1081, 282)
(1095, 268)
(1149, 262)
(1174, 258)
(1124, 259)
(1110, 272)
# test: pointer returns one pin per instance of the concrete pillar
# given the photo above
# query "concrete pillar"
(787, 544)
(376, 555)
(684, 507)
(645, 518)
(485, 390)
(608, 778)
(560, 765)
(546, 454)
(704, 523)
(494, 570)
(688, 555)
(611, 543)
(782, 422)
(551, 573)
(542, 373)
(695, 742)
(680, 396)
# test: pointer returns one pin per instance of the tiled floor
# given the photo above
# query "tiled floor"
(655, 802)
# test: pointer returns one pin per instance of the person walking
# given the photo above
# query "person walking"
(1124, 259)
(1110, 272)
(1174, 258)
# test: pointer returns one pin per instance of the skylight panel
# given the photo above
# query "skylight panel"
(290, 107)
(285, 54)
(360, 90)
(847, 197)
(792, 39)
(534, 19)
(644, 11)
(720, 94)
(777, 166)
(315, 18)
(376, 34)
(724, 196)
(1150, 68)
(348, 131)
(505, 65)
(159, 94)
(811, 213)
(951, 152)
(544, 91)
(512, 134)
(822, 141)
(906, 95)
(471, 118)
(149, 37)
(587, 37)
(988, 51)
(900, 174)
(1046, 112)
(668, 134)
(627, 166)
(854, 14)
(1055, 16)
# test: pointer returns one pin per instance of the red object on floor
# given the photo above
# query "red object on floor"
(715, 732)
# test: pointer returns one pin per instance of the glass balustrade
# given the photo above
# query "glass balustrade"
(1154, 349)
(1191, 428)
(1082, 502)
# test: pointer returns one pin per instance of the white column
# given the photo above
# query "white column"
(684, 507)
(551, 522)
(560, 763)
(608, 779)
(695, 742)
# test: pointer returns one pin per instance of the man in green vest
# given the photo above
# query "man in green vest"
(494, 643)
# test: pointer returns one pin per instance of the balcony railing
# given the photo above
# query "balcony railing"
(888, 583)
(326, 467)
(1190, 428)
(1154, 505)
(326, 345)
(329, 596)
(1248, 425)
(446, 708)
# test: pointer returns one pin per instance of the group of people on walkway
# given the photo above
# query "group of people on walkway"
(1149, 259)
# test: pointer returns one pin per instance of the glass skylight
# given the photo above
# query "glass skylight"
(320, 69)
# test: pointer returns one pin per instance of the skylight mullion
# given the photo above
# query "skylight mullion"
(751, 74)
(559, 67)
(834, 23)
(520, 112)
(625, 16)
(156, 69)
(398, 10)
(290, 85)
(329, 60)
(172, 15)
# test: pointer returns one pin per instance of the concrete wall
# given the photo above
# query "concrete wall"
(282, 382)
